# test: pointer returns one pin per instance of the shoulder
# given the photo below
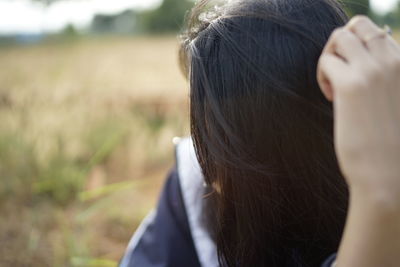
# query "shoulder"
(163, 238)
(174, 234)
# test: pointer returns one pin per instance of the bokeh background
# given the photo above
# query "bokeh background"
(91, 97)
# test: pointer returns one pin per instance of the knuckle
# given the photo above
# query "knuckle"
(341, 36)
(347, 41)
(346, 37)
(337, 33)
(359, 19)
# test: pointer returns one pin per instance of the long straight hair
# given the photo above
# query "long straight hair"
(263, 131)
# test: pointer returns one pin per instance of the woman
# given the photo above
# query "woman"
(262, 132)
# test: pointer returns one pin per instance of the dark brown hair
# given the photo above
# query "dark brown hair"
(262, 129)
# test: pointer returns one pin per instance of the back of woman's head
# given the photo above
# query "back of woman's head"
(263, 131)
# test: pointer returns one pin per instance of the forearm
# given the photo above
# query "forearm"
(372, 232)
(359, 71)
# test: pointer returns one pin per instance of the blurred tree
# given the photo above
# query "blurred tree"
(358, 7)
(124, 22)
(70, 30)
(168, 17)
(393, 17)
(102, 23)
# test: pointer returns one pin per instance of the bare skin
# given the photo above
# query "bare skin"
(359, 71)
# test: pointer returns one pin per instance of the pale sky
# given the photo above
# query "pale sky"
(23, 16)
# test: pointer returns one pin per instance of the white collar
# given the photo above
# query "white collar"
(193, 191)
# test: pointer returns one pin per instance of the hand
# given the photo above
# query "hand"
(360, 71)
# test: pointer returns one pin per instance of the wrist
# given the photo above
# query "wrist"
(371, 236)
(378, 201)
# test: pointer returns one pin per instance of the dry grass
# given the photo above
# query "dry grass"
(85, 143)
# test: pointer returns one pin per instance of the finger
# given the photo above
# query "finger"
(347, 46)
(331, 70)
(391, 39)
(393, 46)
(373, 37)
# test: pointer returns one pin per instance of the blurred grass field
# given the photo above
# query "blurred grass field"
(85, 143)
